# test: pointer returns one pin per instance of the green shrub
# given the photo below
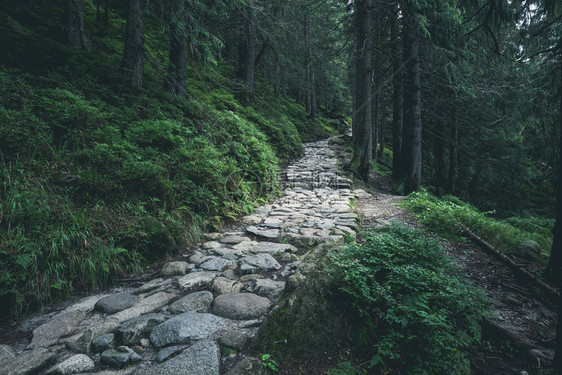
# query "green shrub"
(415, 313)
(449, 216)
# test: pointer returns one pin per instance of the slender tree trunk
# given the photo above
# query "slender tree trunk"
(177, 70)
(453, 151)
(313, 103)
(554, 267)
(411, 143)
(277, 78)
(75, 29)
(439, 152)
(251, 50)
(362, 152)
(382, 130)
(396, 95)
(375, 93)
(133, 56)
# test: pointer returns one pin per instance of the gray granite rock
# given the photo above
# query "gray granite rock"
(29, 362)
(222, 285)
(272, 247)
(177, 268)
(7, 353)
(197, 301)
(186, 328)
(144, 306)
(61, 325)
(235, 339)
(166, 353)
(266, 233)
(247, 366)
(215, 264)
(120, 357)
(153, 285)
(76, 364)
(234, 240)
(262, 262)
(114, 303)
(196, 280)
(241, 306)
(202, 358)
(132, 331)
(103, 343)
(267, 288)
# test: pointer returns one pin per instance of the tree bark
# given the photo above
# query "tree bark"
(362, 133)
(453, 151)
(554, 267)
(177, 70)
(75, 29)
(439, 152)
(251, 49)
(133, 55)
(396, 95)
(411, 143)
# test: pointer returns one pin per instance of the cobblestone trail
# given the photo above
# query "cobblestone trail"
(203, 310)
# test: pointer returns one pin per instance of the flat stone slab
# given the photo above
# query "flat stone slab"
(202, 358)
(152, 285)
(61, 325)
(114, 303)
(144, 306)
(262, 262)
(186, 328)
(272, 247)
(132, 331)
(215, 264)
(76, 364)
(266, 233)
(196, 280)
(241, 306)
(29, 362)
(197, 301)
(233, 240)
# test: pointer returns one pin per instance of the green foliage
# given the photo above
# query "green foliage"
(449, 216)
(346, 368)
(269, 364)
(414, 312)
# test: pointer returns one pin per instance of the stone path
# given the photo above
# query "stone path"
(202, 311)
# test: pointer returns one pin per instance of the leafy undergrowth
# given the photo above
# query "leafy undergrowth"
(448, 216)
(411, 311)
(86, 163)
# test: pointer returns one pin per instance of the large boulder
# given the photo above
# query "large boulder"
(308, 306)
(241, 306)
(202, 358)
(186, 328)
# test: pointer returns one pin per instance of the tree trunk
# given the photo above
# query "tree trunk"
(313, 103)
(453, 152)
(396, 95)
(75, 30)
(133, 55)
(362, 133)
(411, 143)
(439, 152)
(177, 70)
(375, 93)
(251, 49)
(554, 267)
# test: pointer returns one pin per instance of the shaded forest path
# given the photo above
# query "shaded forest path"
(197, 312)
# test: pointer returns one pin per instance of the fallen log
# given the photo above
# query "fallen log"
(511, 264)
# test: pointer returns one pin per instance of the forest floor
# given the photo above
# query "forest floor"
(519, 337)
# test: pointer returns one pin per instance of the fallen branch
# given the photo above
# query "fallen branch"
(511, 264)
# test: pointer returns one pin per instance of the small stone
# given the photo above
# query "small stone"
(132, 331)
(166, 353)
(245, 246)
(197, 258)
(120, 357)
(212, 236)
(211, 245)
(145, 343)
(103, 343)
(177, 268)
(115, 303)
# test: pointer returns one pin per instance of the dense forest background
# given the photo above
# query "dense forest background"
(122, 121)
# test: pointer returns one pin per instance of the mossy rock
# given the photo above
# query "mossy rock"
(157, 238)
(307, 322)
(530, 250)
